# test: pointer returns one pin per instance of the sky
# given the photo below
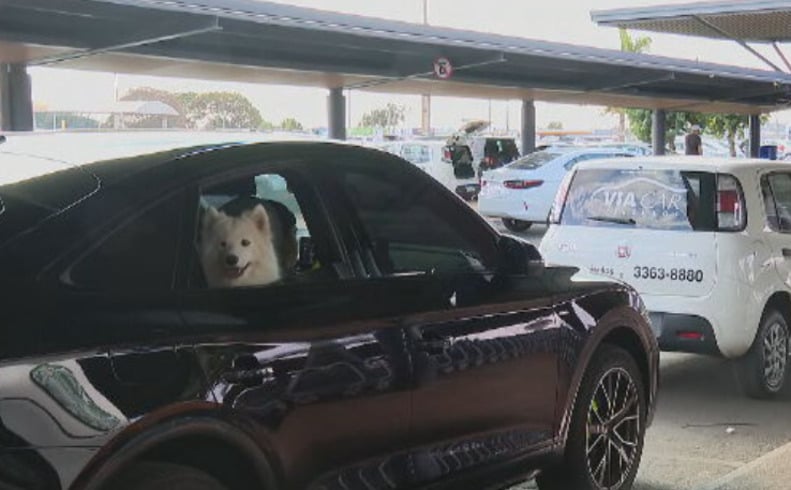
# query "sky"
(565, 21)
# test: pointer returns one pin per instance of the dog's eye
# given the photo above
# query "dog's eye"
(245, 242)
(223, 244)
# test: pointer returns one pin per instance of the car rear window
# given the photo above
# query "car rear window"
(534, 160)
(653, 199)
(32, 189)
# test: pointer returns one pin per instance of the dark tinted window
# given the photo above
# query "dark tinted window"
(777, 200)
(25, 203)
(140, 255)
(655, 199)
(413, 228)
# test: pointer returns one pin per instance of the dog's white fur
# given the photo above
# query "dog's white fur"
(247, 237)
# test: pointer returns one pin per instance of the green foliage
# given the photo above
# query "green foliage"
(209, 110)
(633, 44)
(291, 124)
(388, 117)
(152, 121)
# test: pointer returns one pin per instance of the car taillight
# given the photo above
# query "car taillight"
(488, 161)
(560, 199)
(730, 204)
(522, 184)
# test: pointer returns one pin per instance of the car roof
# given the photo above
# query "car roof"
(32, 154)
(685, 162)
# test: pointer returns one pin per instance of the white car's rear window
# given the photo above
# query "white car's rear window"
(655, 199)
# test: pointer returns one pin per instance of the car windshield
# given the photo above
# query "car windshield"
(534, 160)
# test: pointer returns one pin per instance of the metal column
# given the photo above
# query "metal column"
(16, 99)
(755, 135)
(336, 114)
(658, 131)
(528, 127)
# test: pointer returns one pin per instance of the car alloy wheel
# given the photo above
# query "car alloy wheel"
(775, 354)
(613, 429)
(762, 370)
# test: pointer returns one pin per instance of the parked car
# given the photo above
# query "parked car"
(522, 192)
(706, 243)
(428, 156)
(408, 344)
(472, 152)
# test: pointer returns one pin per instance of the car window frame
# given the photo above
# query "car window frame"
(766, 185)
(354, 229)
(321, 219)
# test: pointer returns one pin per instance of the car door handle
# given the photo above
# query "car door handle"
(786, 252)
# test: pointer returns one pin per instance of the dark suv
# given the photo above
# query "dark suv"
(406, 345)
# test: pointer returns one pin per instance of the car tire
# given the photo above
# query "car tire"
(763, 370)
(598, 435)
(163, 476)
(516, 225)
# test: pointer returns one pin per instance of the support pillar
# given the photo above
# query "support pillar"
(755, 135)
(528, 127)
(16, 98)
(336, 114)
(658, 131)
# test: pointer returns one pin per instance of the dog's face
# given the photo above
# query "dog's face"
(237, 251)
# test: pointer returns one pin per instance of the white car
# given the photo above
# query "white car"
(521, 193)
(429, 157)
(705, 241)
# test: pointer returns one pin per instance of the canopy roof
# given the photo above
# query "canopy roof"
(262, 42)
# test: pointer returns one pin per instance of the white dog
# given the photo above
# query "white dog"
(238, 251)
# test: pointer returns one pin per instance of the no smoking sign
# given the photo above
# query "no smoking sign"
(443, 69)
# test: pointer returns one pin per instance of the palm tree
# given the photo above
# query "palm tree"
(629, 44)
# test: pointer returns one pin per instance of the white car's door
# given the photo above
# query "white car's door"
(776, 190)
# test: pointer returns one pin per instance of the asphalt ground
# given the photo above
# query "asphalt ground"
(706, 434)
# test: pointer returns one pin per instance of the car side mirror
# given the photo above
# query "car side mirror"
(518, 256)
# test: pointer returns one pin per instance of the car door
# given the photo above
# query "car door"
(314, 365)
(776, 191)
(482, 342)
(96, 332)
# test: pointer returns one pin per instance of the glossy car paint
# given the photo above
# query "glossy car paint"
(388, 382)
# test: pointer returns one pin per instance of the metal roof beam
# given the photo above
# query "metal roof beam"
(740, 41)
(781, 55)
(213, 26)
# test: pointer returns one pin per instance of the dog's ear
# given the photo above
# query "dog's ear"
(260, 217)
(210, 216)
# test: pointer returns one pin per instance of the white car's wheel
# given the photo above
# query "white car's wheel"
(516, 225)
(764, 368)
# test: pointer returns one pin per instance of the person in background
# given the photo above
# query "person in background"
(693, 145)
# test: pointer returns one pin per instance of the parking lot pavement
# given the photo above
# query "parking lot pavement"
(689, 445)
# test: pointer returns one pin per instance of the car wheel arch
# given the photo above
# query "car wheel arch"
(615, 328)
(163, 442)
(780, 301)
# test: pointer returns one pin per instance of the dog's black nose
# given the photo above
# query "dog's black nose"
(231, 259)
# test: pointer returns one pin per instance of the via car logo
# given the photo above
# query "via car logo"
(624, 252)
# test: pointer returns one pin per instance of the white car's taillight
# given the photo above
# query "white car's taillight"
(560, 199)
(730, 204)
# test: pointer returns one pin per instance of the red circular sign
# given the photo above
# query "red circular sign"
(443, 68)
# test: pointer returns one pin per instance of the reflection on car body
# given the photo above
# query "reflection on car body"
(410, 346)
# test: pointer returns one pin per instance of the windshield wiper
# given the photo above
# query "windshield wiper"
(613, 219)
